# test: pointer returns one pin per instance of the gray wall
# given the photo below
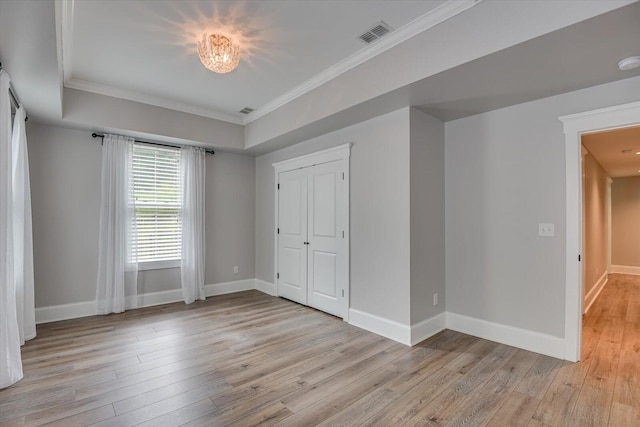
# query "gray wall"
(65, 203)
(625, 221)
(107, 112)
(427, 216)
(65, 185)
(505, 173)
(231, 213)
(379, 211)
(596, 223)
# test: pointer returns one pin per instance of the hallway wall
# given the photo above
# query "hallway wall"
(625, 227)
(596, 230)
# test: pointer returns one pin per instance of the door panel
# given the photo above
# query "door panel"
(291, 279)
(324, 273)
(325, 187)
(292, 223)
(324, 204)
(291, 206)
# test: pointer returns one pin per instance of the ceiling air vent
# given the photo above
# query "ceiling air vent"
(246, 110)
(375, 32)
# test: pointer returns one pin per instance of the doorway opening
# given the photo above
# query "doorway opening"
(610, 235)
(575, 126)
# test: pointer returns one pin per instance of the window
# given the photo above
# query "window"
(156, 191)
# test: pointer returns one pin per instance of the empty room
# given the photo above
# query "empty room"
(319, 212)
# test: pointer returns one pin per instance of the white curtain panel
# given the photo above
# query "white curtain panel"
(22, 231)
(117, 264)
(10, 359)
(192, 177)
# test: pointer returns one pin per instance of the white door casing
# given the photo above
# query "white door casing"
(326, 224)
(574, 126)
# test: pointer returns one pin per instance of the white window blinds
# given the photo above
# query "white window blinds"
(156, 191)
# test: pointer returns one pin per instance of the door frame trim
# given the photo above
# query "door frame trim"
(338, 153)
(575, 125)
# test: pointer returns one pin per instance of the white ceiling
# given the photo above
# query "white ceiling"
(616, 150)
(146, 50)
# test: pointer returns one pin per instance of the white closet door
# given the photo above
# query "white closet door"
(292, 224)
(326, 243)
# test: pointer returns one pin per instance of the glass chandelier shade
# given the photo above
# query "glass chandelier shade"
(218, 53)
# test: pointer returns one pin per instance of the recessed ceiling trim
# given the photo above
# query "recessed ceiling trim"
(445, 11)
(102, 89)
(66, 8)
(430, 19)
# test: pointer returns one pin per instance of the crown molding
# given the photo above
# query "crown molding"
(445, 11)
(102, 89)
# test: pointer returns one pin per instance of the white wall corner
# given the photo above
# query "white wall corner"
(592, 295)
(625, 269)
(266, 287)
(427, 328)
(379, 325)
(229, 287)
(509, 335)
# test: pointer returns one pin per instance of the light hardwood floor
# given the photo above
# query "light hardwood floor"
(247, 358)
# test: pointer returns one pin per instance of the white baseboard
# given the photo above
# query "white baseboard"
(592, 295)
(509, 335)
(55, 313)
(229, 287)
(157, 298)
(379, 325)
(625, 269)
(428, 328)
(399, 332)
(266, 287)
(402, 333)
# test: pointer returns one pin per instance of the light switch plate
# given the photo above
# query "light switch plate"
(546, 230)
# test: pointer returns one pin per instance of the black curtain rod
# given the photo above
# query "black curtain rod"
(97, 135)
(14, 97)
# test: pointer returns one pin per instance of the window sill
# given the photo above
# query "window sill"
(158, 265)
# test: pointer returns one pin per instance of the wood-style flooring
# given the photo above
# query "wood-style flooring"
(245, 359)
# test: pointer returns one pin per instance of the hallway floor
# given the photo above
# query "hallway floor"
(610, 366)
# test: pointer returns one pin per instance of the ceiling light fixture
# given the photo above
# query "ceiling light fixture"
(629, 63)
(218, 53)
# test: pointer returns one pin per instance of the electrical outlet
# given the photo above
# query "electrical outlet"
(546, 230)
(435, 299)
(235, 269)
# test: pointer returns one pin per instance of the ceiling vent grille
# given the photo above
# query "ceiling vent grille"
(375, 32)
(246, 110)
